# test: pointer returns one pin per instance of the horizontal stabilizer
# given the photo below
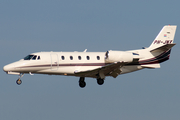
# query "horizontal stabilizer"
(163, 48)
(151, 66)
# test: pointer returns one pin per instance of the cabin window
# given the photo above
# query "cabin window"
(98, 58)
(62, 57)
(71, 57)
(79, 57)
(135, 54)
(88, 58)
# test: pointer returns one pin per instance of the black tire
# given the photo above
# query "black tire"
(100, 81)
(82, 84)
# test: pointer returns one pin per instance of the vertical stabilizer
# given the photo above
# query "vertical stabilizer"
(165, 36)
(161, 46)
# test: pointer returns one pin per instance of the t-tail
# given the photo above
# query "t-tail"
(165, 36)
(161, 46)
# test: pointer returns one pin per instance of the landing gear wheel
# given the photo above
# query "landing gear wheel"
(100, 81)
(18, 81)
(82, 83)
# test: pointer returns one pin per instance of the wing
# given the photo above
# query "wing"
(112, 69)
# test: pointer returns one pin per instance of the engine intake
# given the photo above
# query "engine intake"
(116, 56)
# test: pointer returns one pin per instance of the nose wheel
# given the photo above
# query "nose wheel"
(18, 81)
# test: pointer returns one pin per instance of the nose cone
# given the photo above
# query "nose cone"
(7, 68)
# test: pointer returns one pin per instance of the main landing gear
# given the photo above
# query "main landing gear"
(82, 82)
(19, 81)
(100, 81)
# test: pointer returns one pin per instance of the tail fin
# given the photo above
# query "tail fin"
(161, 46)
(165, 36)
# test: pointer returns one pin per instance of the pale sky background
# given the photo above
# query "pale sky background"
(28, 26)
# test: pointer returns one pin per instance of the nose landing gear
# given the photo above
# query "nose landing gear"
(19, 81)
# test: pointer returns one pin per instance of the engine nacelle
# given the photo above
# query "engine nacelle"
(117, 56)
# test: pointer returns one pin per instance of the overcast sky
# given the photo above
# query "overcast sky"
(28, 26)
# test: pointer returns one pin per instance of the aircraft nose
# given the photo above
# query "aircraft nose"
(7, 68)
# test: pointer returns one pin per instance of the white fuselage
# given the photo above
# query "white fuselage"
(64, 63)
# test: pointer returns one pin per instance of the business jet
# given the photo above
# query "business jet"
(96, 65)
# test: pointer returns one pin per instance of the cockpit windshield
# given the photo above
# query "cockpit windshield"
(28, 57)
(32, 57)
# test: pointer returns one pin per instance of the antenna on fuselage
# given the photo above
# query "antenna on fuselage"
(85, 50)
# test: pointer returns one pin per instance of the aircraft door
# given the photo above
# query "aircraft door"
(54, 62)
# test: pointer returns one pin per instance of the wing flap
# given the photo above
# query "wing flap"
(115, 73)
